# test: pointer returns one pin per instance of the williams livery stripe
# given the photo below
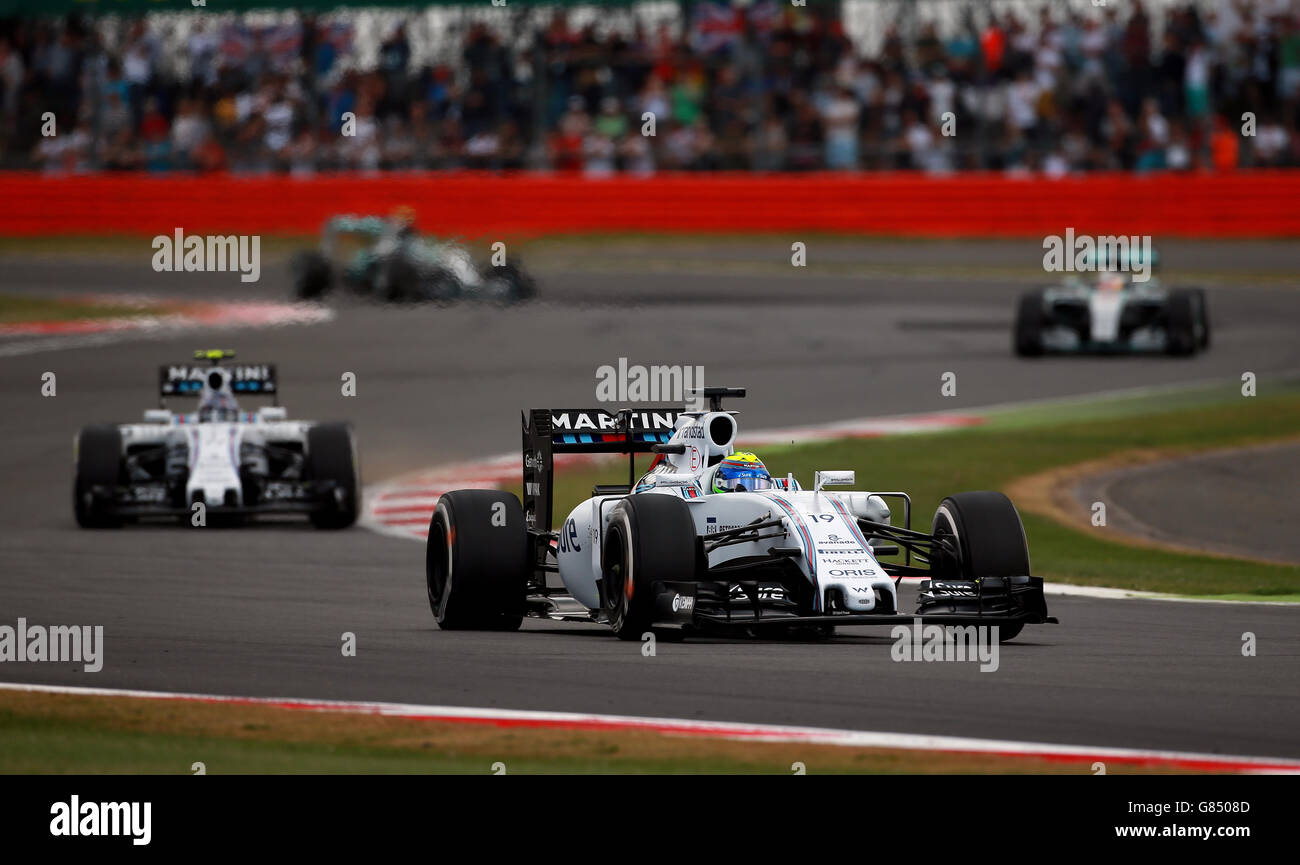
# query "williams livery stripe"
(605, 438)
(853, 526)
(799, 523)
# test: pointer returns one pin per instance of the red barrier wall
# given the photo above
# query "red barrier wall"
(1258, 204)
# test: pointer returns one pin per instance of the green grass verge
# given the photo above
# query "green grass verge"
(31, 747)
(1024, 442)
(62, 733)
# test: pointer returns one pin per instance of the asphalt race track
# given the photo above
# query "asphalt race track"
(260, 612)
(1164, 501)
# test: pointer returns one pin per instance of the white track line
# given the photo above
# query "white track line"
(110, 331)
(724, 730)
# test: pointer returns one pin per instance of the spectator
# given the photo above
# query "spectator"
(752, 86)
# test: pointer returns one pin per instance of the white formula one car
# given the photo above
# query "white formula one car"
(237, 464)
(1110, 312)
(672, 549)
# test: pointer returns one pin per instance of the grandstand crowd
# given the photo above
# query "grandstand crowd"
(763, 86)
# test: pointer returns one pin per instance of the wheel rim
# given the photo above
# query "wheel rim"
(617, 575)
(945, 527)
(439, 561)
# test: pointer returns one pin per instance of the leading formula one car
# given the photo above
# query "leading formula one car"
(237, 464)
(395, 263)
(1108, 311)
(668, 550)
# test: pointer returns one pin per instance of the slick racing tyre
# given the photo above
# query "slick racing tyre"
(651, 538)
(399, 280)
(1181, 335)
(476, 561)
(984, 531)
(1202, 318)
(332, 456)
(99, 464)
(1028, 337)
(517, 285)
(311, 275)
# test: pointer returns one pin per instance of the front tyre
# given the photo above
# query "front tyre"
(98, 466)
(1028, 338)
(476, 561)
(332, 460)
(312, 275)
(1181, 335)
(650, 539)
(1202, 318)
(981, 536)
(518, 286)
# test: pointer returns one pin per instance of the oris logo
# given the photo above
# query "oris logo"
(852, 572)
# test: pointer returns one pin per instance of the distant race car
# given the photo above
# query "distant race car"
(388, 260)
(669, 550)
(1111, 312)
(237, 464)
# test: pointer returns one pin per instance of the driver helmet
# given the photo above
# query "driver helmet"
(216, 404)
(403, 220)
(740, 472)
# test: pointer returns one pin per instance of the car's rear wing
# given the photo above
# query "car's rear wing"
(245, 379)
(595, 431)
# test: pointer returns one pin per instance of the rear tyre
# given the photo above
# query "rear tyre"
(98, 464)
(519, 285)
(1202, 318)
(476, 561)
(1180, 323)
(332, 456)
(986, 539)
(1028, 338)
(401, 280)
(651, 538)
(312, 276)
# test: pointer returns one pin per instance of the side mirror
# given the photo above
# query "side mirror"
(826, 479)
(157, 415)
(272, 413)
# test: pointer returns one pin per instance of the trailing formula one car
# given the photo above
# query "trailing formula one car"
(1112, 312)
(708, 540)
(394, 263)
(237, 464)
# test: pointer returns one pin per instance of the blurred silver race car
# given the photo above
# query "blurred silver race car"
(237, 464)
(387, 259)
(1108, 310)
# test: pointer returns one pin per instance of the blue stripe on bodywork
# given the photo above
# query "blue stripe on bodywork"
(853, 526)
(808, 546)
